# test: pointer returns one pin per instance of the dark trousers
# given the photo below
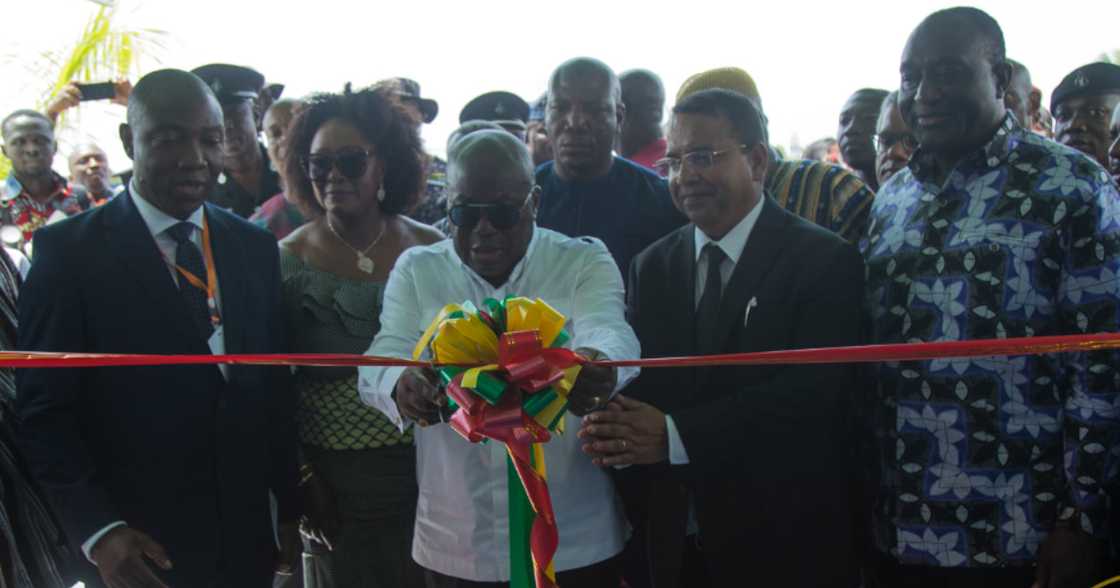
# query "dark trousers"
(375, 493)
(891, 574)
(604, 574)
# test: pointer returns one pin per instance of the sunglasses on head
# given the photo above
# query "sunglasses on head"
(351, 163)
(501, 215)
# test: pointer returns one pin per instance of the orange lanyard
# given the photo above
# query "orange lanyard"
(211, 284)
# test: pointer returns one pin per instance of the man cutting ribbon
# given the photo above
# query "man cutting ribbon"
(496, 250)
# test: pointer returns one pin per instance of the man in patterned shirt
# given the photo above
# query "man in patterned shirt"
(34, 194)
(991, 465)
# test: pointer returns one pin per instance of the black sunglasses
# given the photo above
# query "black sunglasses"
(351, 163)
(502, 215)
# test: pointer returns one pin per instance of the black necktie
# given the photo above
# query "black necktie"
(188, 257)
(707, 312)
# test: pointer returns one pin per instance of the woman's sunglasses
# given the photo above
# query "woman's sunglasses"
(351, 163)
(502, 215)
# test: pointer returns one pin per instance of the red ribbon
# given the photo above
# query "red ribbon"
(854, 354)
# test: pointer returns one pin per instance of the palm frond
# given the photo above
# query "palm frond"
(102, 52)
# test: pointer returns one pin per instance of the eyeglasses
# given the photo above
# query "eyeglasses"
(351, 163)
(502, 215)
(698, 160)
(885, 141)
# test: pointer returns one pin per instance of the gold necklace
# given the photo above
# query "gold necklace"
(365, 264)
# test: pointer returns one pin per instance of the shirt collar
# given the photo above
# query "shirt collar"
(157, 220)
(733, 242)
(517, 269)
(992, 154)
(12, 187)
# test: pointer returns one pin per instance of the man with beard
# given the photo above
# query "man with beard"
(1082, 105)
(33, 194)
(247, 180)
(994, 468)
(161, 475)
(894, 141)
(856, 131)
(89, 168)
(587, 190)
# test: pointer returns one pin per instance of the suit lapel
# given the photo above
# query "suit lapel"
(132, 243)
(229, 257)
(682, 266)
(758, 257)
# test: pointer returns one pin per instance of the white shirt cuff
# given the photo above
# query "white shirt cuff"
(87, 547)
(677, 453)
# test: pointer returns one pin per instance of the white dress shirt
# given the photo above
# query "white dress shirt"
(462, 513)
(732, 245)
(158, 223)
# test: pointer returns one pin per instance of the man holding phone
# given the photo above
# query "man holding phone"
(74, 93)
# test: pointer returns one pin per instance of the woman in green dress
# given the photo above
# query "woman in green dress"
(354, 157)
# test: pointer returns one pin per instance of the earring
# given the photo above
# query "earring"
(381, 194)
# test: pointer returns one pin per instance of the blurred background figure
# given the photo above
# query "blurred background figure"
(1022, 98)
(280, 214)
(33, 194)
(427, 205)
(826, 150)
(856, 131)
(540, 146)
(641, 138)
(894, 141)
(89, 168)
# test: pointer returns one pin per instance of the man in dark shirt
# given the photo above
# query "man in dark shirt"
(587, 190)
(247, 180)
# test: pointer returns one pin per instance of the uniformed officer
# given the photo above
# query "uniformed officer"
(247, 181)
(1082, 106)
(505, 108)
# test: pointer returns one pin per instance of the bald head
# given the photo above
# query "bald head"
(583, 118)
(167, 89)
(643, 95)
(89, 167)
(174, 136)
(489, 152)
(586, 70)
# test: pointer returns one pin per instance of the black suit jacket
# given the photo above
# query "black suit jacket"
(176, 451)
(769, 446)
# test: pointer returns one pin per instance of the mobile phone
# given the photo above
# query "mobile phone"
(99, 91)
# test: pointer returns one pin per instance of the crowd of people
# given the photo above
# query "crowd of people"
(950, 211)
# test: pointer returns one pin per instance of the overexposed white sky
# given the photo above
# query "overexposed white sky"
(806, 57)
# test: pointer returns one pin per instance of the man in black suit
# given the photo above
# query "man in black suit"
(740, 475)
(166, 465)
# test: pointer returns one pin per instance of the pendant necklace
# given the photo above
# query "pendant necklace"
(365, 264)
